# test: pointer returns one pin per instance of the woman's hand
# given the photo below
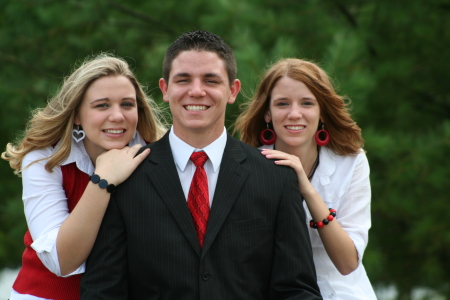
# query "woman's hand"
(285, 159)
(78, 232)
(336, 241)
(116, 165)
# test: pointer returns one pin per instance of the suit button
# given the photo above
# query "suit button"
(205, 276)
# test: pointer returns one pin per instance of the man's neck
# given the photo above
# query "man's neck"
(200, 139)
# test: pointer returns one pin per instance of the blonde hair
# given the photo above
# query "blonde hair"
(55, 122)
(345, 134)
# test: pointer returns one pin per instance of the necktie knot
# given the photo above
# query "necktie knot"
(199, 158)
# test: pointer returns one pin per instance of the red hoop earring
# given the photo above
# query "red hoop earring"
(325, 140)
(272, 136)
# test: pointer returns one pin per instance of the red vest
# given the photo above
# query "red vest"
(34, 278)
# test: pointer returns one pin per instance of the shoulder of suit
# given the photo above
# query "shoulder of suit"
(254, 156)
(249, 150)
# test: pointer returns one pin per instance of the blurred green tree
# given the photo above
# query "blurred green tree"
(389, 57)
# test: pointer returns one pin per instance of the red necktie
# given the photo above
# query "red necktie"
(198, 198)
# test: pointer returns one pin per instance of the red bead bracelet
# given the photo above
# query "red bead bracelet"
(325, 221)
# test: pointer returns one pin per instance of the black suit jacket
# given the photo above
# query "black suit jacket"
(256, 245)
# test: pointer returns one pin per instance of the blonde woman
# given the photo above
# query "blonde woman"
(73, 154)
(298, 120)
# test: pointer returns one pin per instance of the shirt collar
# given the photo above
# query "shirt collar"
(327, 165)
(182, 151)
(268, 147)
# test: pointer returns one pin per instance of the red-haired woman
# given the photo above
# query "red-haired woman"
(298, 120)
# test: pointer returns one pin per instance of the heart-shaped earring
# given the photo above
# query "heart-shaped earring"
(78, 134)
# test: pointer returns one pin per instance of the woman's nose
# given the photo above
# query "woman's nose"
(116, 114)
(295, 112)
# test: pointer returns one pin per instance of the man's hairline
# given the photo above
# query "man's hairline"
(201, 50)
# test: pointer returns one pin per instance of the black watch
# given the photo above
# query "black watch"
(102, 183)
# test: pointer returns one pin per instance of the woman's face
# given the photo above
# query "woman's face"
(294, 113)
(108, 114)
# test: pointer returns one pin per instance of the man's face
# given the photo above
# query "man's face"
(198, 92)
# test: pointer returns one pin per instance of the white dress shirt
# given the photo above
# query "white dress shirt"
(181, 152)
(45, 202)
(343, 183)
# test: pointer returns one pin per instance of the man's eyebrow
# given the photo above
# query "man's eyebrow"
(212, 75)
(181, 75)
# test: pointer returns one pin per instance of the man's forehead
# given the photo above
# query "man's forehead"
(193, 62)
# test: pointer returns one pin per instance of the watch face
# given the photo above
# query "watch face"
(95, 178)
(103, 183)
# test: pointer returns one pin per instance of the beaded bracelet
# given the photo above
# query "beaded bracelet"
(325, 221)
(102, 183)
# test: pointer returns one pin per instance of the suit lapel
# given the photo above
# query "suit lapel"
(232, 177)
(164, 176)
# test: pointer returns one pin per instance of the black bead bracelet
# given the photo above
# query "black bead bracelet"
(102, 183)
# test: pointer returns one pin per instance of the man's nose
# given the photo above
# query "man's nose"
(196, 89)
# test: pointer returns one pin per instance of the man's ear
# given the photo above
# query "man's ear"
(163, 86)
(234, 91)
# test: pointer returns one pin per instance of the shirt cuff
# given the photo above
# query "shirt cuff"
(45, 247)
(360, 248)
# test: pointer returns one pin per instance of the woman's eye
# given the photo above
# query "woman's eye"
(308, 103)
(128, 104)
(102, 105)
(282, 104)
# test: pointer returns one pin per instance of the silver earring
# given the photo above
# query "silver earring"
(78, 134)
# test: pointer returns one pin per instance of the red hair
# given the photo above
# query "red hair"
(345, 134)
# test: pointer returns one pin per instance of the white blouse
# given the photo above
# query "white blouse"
(343, 183)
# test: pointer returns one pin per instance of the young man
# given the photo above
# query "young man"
(232, 228)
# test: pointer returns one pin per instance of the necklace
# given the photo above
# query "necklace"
(314, 167)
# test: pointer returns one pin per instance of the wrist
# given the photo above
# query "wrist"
(102, 183)
(309, 192)
(325, 221)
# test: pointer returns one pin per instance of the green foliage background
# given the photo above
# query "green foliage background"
(390, 57)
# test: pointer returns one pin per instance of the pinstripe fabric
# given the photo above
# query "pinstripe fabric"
(256, 244)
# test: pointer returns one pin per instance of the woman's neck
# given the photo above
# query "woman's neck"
(93, 152)
(307, 154)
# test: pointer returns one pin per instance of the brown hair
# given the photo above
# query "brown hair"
(200, 40)
(55, 122)
(345, 134)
